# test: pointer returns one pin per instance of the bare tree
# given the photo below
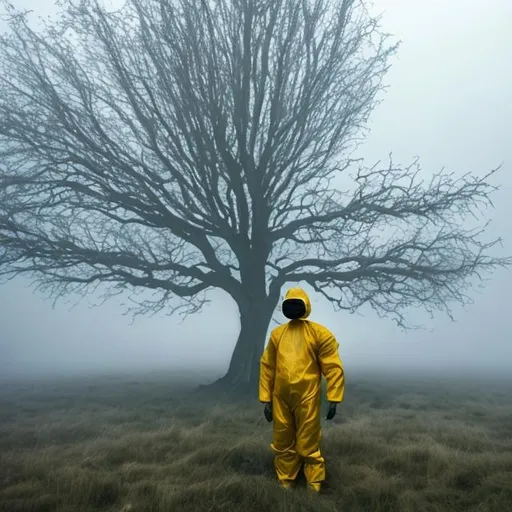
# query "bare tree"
(183, 145)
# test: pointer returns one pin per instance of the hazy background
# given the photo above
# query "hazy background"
(450, 102)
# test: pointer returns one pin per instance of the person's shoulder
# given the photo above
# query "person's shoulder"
(278, 330)
(321, 330)
(318, 326)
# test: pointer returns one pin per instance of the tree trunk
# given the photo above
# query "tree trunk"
(256, 308)
(244, 368)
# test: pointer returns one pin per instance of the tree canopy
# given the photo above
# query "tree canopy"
(184, 145)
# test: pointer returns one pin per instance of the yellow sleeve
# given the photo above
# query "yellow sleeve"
(331, 366)
(267, 371)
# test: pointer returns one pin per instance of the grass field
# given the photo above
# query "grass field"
(147, 444)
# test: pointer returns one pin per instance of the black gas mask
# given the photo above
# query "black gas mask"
(294, 308)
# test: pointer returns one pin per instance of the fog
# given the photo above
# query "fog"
(449, 101)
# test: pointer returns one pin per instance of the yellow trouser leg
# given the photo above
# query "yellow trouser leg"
(286, 461)
(307, 421)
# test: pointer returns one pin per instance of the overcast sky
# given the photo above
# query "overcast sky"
(449, 101)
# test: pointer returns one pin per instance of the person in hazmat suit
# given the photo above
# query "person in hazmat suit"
(298, 353)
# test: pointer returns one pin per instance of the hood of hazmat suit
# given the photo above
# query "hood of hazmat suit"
(296, 304)
(298, 353)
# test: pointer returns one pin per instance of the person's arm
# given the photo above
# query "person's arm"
(331, 366)
(267, 372)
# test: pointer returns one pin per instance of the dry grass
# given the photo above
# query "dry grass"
(148, 445)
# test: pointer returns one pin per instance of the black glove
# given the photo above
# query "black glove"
(331, 411)
(268, 411)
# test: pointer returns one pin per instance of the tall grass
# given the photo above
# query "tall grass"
(151, 445)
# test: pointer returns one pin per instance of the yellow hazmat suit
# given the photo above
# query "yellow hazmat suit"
(297, 355)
